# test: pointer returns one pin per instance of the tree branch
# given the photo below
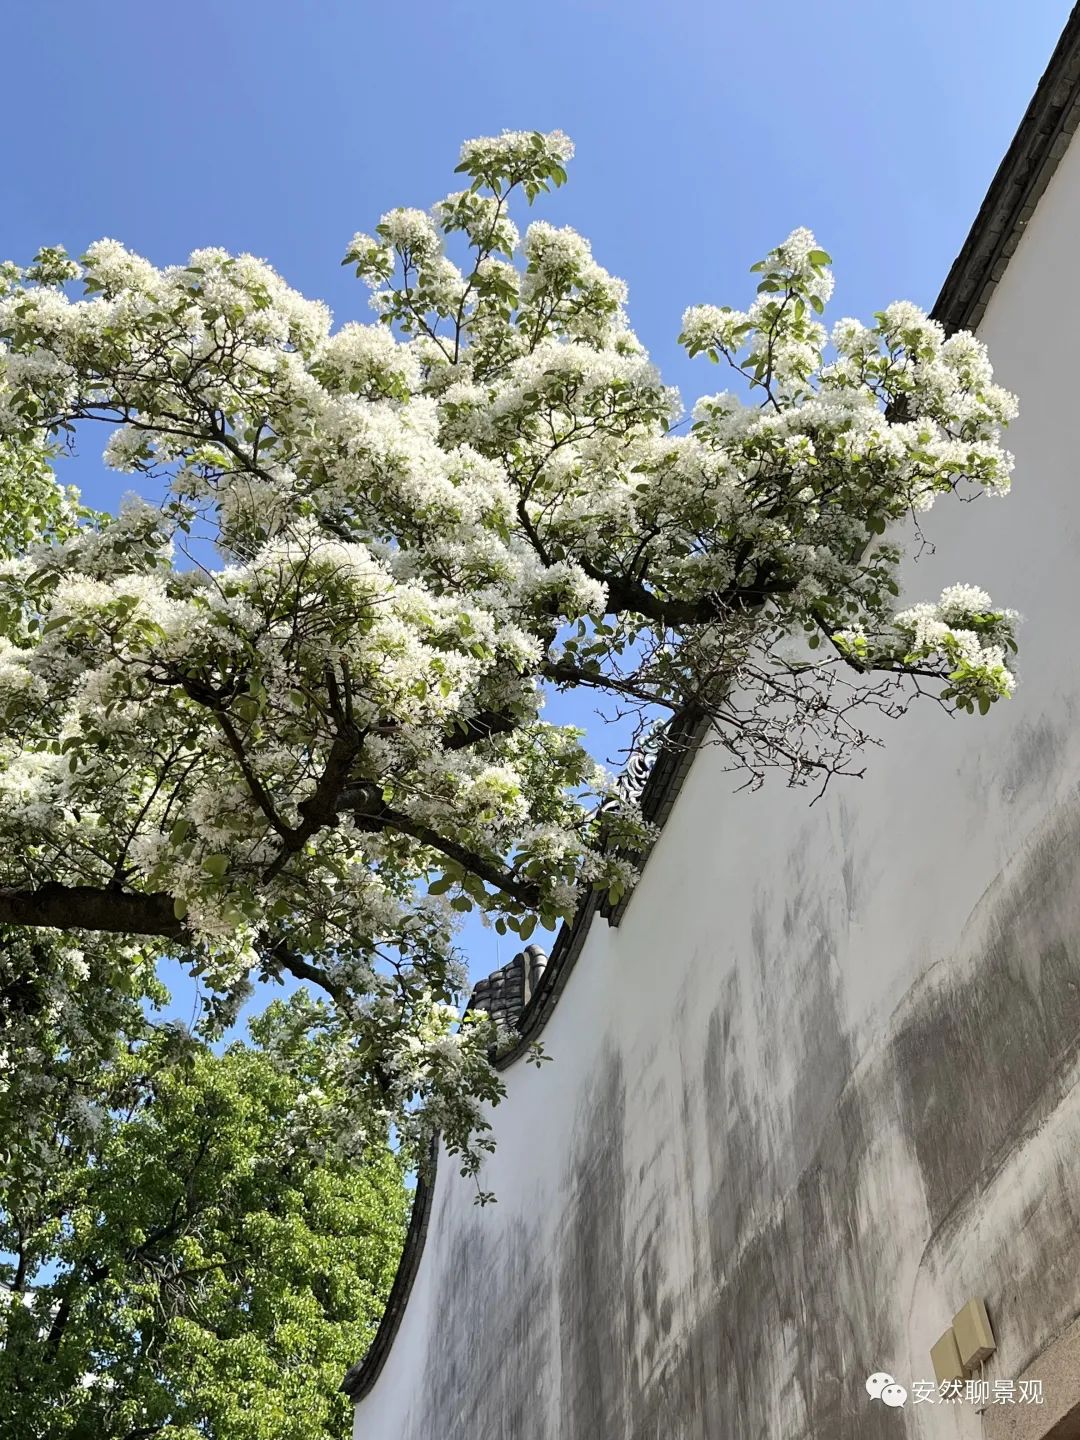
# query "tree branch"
(88, 907)
(482, 726)
(563, 673)
(283, 955)
(366, 804)
(625, 594)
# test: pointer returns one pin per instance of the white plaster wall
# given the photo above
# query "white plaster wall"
(821, 1066)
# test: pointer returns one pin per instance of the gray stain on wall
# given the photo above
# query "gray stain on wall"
(805, 1288)
(488, 1339)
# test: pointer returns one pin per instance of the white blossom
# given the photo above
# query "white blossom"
(295, 700)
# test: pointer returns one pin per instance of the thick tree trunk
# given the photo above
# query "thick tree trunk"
(85, 907)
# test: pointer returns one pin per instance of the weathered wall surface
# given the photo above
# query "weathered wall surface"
(820, 1087)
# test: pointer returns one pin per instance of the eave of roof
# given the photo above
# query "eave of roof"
(1023, 175)
(1015, 191)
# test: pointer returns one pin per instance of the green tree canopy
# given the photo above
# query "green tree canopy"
(195, 1243)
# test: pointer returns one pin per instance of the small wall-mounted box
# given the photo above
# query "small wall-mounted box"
(945, 1357)
(974, 1338)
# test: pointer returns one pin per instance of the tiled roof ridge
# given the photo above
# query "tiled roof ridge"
(506, 991)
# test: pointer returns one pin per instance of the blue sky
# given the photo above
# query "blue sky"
(705, 133)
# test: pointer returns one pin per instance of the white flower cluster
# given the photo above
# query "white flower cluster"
(411, 231)
(967, 631)
(482, 219)
(112, 268)
(366, 359)
(515, 152)
(712, 327)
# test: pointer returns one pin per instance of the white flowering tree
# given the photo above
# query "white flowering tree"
(285, 715)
